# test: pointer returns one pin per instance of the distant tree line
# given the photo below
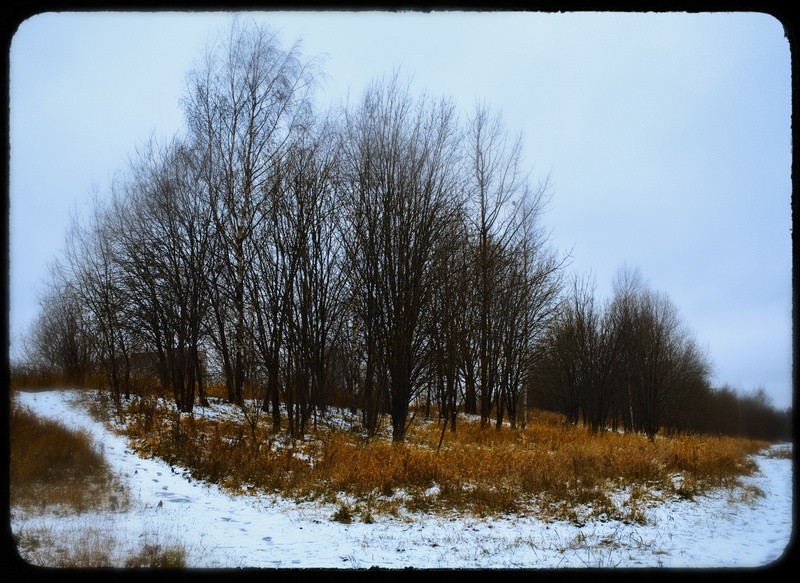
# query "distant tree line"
(633, 365)
(376, 255)
(726, 411)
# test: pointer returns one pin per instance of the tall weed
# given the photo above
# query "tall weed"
(549, 465)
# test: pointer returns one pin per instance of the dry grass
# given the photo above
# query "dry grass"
(158, 557)
(42, 548)
(91, 548)
(51, 466)
(556, 470)
(54, 469)
(780, 453)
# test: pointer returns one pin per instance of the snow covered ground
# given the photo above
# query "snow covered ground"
(220, 530)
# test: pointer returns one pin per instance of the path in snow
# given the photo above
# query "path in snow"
(221, 530)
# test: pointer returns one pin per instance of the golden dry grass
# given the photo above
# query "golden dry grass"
(53, 466)
(551, 468)
(54, 469)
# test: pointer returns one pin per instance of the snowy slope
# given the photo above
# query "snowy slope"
(221, 530)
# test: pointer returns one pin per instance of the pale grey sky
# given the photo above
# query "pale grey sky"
(667, 138)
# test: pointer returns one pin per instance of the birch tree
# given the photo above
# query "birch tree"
(244, 104)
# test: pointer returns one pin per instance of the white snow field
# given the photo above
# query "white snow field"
(720, 530)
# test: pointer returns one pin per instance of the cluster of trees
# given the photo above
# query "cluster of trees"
(373, 255)
(381, 253)
(632, 364)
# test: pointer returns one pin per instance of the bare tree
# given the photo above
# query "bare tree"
(243, 106)
(689, 385)
(660, 363)
(320, 281)
(90, 263)
(581, 360)
(61, 338)
(651, 356)
(529, 304)
(502, 203)
(628, 285)
(399, 159)
(167, 246)
(447, 320)
(297, 283)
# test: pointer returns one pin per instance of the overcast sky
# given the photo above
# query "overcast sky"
(666, 137)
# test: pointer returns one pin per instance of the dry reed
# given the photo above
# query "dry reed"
(548, 467)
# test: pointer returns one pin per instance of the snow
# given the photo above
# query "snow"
(721, 529)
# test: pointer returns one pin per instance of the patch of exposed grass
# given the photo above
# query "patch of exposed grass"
(780, 453)
(559, 470)
(42, 548)
(57, 470)
(93, 548)
(747, 494)
(343, 514)
(158, 557)
(52, 466)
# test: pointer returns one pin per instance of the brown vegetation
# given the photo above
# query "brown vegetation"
(54, 469)
(41, 378)
(550, 467)
(53, 466)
